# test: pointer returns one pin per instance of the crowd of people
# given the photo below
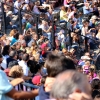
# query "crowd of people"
(61, 58)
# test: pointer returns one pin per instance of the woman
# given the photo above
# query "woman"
(66, 2)
(5, 54)
(12, 36)
(63, 14)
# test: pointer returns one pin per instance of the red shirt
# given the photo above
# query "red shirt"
(44, 48)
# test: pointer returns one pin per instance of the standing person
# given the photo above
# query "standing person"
(72, 87)
(46, 29)
(7, 91)
(55, 64)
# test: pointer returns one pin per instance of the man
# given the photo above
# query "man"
(23, 64)
(55, 64)
(70, 85)
(9, 24)
(46, 29)
(12, 57)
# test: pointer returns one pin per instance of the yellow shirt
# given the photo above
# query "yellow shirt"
(63, 15)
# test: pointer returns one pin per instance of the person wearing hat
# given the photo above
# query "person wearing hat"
(9, 23)
(93, 22)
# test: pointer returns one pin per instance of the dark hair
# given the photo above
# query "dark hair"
(95, 84)
(6, 50)
(25, 57)
(56, 63)
(0, 55)
(12, 63)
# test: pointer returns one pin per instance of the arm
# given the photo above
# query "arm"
(22, 95)
(48, 29)
(16, 81)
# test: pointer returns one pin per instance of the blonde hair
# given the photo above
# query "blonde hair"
(16, 71)
(93, 67)
(12, 32)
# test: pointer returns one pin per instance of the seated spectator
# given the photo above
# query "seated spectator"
(9, 23)
(72, 82)
(63, 14)
(46, 29)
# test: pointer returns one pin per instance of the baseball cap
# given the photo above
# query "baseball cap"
(36, 80)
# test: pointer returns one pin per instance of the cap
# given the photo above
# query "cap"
(9, 13)
(85, 58)
(36, 80)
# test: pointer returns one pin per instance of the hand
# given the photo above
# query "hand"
(50, 27)
(79, 96)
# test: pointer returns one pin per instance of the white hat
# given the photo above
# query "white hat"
(93, 17)
(9, 13)
(85, 58)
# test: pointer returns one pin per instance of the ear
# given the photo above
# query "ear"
(78, 91)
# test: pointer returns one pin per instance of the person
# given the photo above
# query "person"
(23, 64)
(72, 82)
(63, 14)
(12, 57)
(55, 64)
(95, 87)
(7, 91)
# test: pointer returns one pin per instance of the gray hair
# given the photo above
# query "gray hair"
(67, 82)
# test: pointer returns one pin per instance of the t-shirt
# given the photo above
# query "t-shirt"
(5, 86)
(42, 94)
(17, 5)
(24, 67)
(43, 47)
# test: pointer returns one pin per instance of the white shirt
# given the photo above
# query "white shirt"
(27, 1)
(4, 62)
(17, 5)
(36, 10)
(24, 66)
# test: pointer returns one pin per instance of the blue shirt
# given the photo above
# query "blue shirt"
(5, 86)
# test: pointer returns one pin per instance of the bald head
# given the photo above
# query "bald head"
(68, 82)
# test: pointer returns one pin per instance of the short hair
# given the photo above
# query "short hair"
(95, 84)
(67, 82)
(12, 54)
(56, 63)
(1, 55)
(25, 57)
(6, 50)
(12, 63)
(16, 71)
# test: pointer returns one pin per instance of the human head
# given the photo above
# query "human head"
(6, 50)
(16, 72)
(56, 63)
(25, 57)
(13, 54)
(69, 82)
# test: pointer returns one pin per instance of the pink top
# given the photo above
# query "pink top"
(66, 2)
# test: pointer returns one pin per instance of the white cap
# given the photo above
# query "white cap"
(85, 58)
(9, 13)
